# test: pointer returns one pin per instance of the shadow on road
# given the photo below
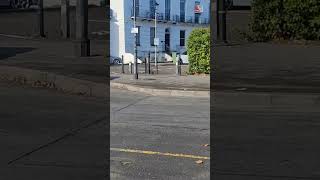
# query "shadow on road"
(6, 52)
(114, 77)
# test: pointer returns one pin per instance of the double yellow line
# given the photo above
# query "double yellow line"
(159, 153)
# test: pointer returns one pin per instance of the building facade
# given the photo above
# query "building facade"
(175, 21)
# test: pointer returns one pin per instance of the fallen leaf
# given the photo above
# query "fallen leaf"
(199, 162)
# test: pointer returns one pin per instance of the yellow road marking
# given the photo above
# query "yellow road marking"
(159, 153)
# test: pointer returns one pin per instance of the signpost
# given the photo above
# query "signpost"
(135, 31)
(155, 36)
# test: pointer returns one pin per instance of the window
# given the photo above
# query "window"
(182, 37)
(152, 4)
(168, 9)
(152, 36)
(196, 18)
(138, 35)
(182, 10)
(136, 7)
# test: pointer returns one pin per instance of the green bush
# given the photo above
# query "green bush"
(285, 19)
(198, 47)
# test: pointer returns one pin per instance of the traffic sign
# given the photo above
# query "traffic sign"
(134, 30)
(156, 41)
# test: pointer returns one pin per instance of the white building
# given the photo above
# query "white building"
(175, 21)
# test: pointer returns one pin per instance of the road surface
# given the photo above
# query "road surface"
(48, 135)
(266, 135)
(158, 125)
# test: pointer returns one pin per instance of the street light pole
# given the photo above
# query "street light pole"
(155, 36)
(221, 21)
(136, 76)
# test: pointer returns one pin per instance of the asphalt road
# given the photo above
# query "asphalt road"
(159, 125)
(264, 136)
(48, 135)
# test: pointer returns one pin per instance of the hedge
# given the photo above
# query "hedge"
(285, 19)
(198, 48)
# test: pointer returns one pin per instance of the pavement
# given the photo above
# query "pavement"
(51, 63)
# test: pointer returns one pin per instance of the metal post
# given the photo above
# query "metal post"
(130, 67)
(122, 64)
(149, 63)
(178, 66)
(221, 21)
(82, 43)
(65, 18)
(135, 43)
(41, 18)
(155, 36)
(145, 65)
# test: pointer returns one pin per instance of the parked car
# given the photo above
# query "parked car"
(115, 60)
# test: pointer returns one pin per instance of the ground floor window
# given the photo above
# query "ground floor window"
(182, 37)
(152, 35)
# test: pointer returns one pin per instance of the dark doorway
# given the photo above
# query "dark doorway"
(167, 40)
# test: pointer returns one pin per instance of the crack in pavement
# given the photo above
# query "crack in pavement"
(58, 165)
(71, 132)
(131, 104)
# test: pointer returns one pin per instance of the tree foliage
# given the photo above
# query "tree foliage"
(198, 47)
(285, 19)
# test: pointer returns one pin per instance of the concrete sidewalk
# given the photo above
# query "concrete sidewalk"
(167, 85)
(51, 63)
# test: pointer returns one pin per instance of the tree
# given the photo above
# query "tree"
(198, 47)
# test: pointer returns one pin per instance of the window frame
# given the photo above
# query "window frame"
(182, 39)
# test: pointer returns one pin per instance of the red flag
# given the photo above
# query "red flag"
(197, 9)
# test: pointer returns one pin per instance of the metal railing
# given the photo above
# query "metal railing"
(162, 17)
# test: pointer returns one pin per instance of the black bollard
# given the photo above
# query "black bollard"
(145, 65)
(41, 18)
(122, 64)
(149, 63)
(82, 43)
